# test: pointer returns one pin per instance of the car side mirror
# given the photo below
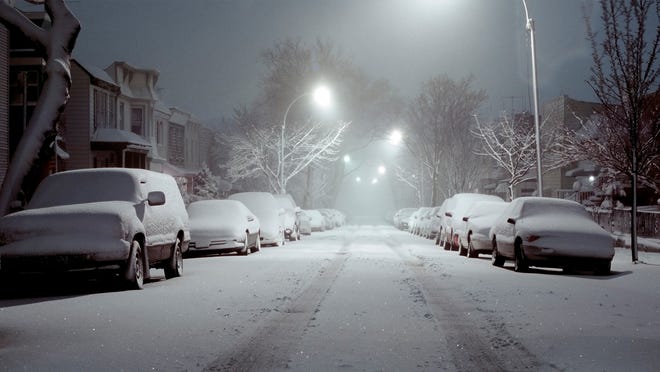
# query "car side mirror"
(465, 219)
(250, 218)
(448, 214)
(511, 221)
(155, 198)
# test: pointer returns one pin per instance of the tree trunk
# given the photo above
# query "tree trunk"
(58, 42)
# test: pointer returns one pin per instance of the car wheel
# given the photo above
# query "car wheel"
(497, 259)
(471, 253)
(462, 251)
(246, 247)
(520, 263)
(257, 243)
(133, 270)
(603, 269)
(174, 268)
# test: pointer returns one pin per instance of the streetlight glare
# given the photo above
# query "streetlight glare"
(374, 181)
(347, 159)
(396, 137)
(381, 169)
(322, 96)
(358, 179)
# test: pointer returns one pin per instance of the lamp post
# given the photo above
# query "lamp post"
(530, 28)
(322, 97)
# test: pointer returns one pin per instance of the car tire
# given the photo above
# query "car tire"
(471, 253)
(246, 246)
(520, 262)
(257, 243)
(132, 272)
(174, 267)
(497, 259)
(462, 251)
(603, 269)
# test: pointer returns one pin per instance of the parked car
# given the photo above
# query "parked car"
(433, 225)
(317, 220)
(223, 226)
(130, 219)
(401, 218)
(270, 215)
(454, 213)
(538, 231)
(305, 222)
(478, 220)
(291, 218)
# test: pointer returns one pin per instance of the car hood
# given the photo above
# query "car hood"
(100, 219)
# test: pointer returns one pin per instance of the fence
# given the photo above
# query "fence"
(618, 220)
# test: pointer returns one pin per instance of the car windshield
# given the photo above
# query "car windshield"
(85, 187)
(217, 209)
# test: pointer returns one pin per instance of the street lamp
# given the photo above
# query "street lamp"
(535, 88)
(381, 169)
(322, 97)
(396, 137)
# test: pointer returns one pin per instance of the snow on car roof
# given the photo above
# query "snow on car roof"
(89, 185)
(223, 209)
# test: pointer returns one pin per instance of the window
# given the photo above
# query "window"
(160, 133)
(121, 115)
(137, 120)
(104, 109)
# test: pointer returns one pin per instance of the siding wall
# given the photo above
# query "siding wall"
(4, 102)
(78, 113)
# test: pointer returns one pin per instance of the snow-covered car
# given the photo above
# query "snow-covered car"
(223, 226)
(401, 218)
(433, 225)
(130, 219)
(317, 220)
(270, 215)
(291, 218)
(453, 222)
(305, 223)
(478, 220)
(538, 231)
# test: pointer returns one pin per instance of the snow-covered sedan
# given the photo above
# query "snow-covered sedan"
(223, 226)
(129, 219)
(270, 215)
(537, 231)
(478, 221)
(453, 223)
(291, 217)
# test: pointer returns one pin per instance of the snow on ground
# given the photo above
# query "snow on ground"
(366, 298)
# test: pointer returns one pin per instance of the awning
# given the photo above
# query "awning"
(118, 136)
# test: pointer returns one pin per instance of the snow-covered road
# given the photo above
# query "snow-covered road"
(356, 298)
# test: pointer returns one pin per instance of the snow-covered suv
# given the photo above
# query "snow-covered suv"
(132, 219)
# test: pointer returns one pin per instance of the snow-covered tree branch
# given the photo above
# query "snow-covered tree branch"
(57, 43)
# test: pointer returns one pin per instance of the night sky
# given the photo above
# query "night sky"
(207, 51)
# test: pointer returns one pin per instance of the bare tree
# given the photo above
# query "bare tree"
(256, 150)
(438, 134)
(511, 143)
(56, 44)
(293, 68)
(624, 77)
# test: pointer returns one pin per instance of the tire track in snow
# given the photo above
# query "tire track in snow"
(468, 334)
(271, 344)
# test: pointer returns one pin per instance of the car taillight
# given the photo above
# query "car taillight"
(532, 238)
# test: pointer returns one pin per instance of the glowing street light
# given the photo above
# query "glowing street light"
(396, 137)
(381, 169)
(374, 181)
(322, 98)
(358, 179)
(347, 159)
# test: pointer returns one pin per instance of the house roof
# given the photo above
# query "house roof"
(98, 76)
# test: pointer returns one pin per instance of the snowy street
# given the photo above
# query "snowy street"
(354, 298)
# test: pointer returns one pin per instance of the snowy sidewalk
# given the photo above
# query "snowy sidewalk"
(648, 249)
